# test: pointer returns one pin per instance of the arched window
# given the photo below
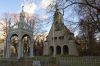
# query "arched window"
(51, 50)
(65, 49)
(58, 50)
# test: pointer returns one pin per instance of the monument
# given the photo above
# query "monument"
(22, 31)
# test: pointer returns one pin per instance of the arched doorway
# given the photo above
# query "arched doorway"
(26, 43)
(51, 50)
(65, 49)
(14, 45)
(58, 50)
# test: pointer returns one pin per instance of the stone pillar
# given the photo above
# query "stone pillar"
(22, 48)
(19, 48)
(54, 54)
(61, 50)
(8, 48)
(31, 47)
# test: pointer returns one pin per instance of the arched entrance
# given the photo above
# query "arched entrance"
(26, 43)
(51, 50)
(14, 45)
(65, 49)
(58, 50)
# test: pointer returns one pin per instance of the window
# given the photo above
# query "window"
(70, 38)
(55, 38)
(61, 37)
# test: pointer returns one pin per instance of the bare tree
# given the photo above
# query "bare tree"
(88, 12)
(88, 35)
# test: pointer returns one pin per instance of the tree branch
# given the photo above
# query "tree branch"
(87, 4)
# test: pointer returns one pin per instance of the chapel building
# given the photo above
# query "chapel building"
(60, 40)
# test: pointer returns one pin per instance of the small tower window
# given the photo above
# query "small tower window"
(55, 38)
(61, 37)
(70, 38)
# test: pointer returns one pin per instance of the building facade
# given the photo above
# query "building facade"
(60, 40)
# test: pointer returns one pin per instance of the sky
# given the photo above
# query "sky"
(37, 7)
(9, 6)
(14, 6)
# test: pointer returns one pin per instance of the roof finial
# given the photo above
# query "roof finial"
(56, 7)
(22, 14)
(23, 8)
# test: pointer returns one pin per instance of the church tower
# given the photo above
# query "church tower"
(60, 40)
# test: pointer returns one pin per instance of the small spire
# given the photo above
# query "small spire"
(58, 18)
(23, 8)
(22, 14)
(56, 6)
